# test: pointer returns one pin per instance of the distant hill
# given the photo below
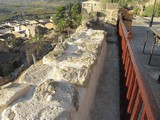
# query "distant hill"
(10, 1)
(29, 2)
(29, 9)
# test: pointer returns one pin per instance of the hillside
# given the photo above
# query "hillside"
(32, 1)
(29, 9)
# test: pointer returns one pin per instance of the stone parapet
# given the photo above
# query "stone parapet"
(63, 84)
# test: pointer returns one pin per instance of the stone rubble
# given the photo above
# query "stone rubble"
(57, 79)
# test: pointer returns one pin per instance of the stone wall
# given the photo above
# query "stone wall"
(62, 85)
(106, 12)
(111, 12)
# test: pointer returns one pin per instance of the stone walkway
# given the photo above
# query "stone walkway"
(107, 102)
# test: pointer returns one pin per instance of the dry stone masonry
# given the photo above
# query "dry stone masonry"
(62, 85)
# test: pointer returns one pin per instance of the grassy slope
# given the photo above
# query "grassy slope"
(14, 8)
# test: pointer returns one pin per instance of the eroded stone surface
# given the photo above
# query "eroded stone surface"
(78, 76)
(36, 110)
(87, 41)
(35, 74)
(11, 92)
(52, 100)
(62, 92)
(73, 59)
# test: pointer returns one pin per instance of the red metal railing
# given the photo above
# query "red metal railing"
(141, 102)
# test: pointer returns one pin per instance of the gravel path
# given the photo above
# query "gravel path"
(107, 102)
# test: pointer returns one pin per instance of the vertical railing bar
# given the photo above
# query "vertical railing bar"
(124, 55)
(130, 88)
(144, 117)
(133, 97)
(128, 66)
(128, 76)
(126, 63)
(137, 106)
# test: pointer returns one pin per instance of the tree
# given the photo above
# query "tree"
(66, 20)
(59, 14)
(76, 14)
(61, 25)
(76, 9)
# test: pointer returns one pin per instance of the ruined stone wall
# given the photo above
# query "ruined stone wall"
(106, 12)
(62, 85)
(111, 12)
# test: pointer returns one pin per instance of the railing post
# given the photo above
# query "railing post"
(133, 97)
(137, 107)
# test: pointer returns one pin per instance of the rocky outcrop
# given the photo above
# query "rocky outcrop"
(63, 83)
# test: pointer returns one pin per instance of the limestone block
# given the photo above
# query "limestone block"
(52, 57)
(36, 110)
(78, 56)
(87, 45)
(86, 59)
(52, 100)
(89, 41)
(62, 92)
(35, 74)
(11, 92)
(78, 76)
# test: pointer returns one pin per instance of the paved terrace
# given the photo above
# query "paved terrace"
(152, 71)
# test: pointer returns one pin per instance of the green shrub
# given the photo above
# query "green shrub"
(148, 11)
(123, 4)
(15, 42)
(136, 11)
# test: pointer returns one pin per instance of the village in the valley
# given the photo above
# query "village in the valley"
(15, 37)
